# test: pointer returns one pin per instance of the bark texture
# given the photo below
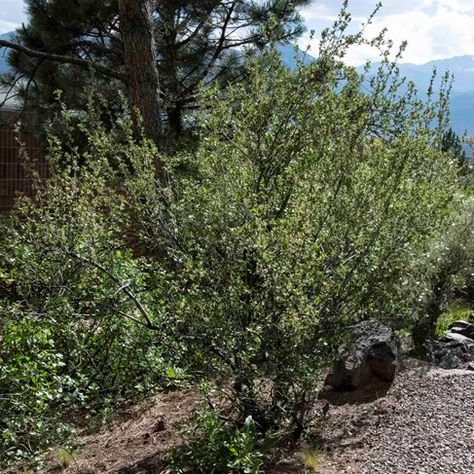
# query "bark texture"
(136, 27)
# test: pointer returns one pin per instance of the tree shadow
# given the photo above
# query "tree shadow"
(367, 394)
(153, 464)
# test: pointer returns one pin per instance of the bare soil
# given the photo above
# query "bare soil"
(138, 442)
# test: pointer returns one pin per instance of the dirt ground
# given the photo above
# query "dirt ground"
(137, 442)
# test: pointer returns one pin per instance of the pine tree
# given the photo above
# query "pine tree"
(451, 143)
(74, 45)
(204, 41)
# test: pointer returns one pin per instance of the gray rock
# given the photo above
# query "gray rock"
(450, 360)
(373, 355)
(451, 352)
(470, 366)
(459, 339)
(463, 327)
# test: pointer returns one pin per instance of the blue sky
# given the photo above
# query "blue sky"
(434, 29)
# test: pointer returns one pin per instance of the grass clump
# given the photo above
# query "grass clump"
(451, 315)
(312, 458)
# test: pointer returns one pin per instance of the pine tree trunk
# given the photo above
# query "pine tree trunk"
(175, 118)
(136, 27)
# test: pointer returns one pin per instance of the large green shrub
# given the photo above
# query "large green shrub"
(308, 200)
(309, 205)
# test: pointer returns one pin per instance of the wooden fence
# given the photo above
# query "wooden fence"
(17, 150)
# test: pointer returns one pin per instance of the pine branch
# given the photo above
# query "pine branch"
(59, 58)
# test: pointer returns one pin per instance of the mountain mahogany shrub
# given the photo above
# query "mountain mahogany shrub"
(299, 213)
(301, 221)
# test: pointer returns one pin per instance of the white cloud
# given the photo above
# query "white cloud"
(434, 29)
(12, 15)
(318, 12)
(6, 26)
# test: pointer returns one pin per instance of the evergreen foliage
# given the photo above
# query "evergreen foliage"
(451, 143)
(196, 41)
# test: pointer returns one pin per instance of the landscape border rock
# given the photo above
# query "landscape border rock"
(451, 352)
(373, 356)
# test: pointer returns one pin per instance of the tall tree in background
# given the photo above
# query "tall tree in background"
(453, 144)
(71, 45)
(204, 41)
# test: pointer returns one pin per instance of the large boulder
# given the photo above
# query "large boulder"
(373, 356)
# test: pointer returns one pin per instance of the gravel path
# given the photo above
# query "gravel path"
(424, 425)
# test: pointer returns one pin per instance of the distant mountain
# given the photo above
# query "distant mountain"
(462, 112)
(462, 67)
(3, 52)
(291, 56)
(462, 94)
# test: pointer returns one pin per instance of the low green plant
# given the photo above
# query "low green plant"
(215, 447)
(32, 386)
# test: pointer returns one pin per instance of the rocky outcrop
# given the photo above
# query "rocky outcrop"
(373, 355)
